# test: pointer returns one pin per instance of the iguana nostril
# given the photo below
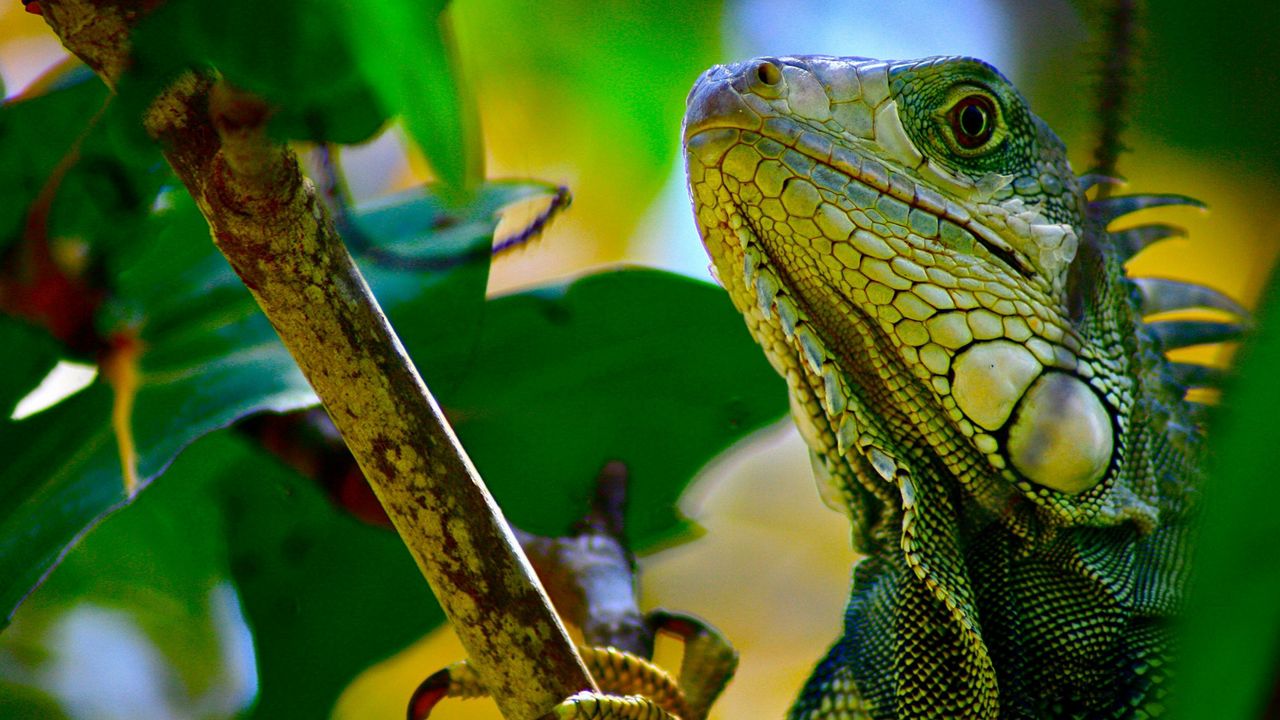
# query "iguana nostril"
(768, 73)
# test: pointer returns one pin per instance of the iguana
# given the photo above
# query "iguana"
(977, 382)
(971, 369)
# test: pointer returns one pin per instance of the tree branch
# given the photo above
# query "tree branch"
(266, 219)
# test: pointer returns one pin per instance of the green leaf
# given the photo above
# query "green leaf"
(209, 357)
(27, 354)
(650, 368)
(607, 83)
(36, 134)
(61, 473)
(417, 236)
(28, 550)
(155, 578)
(405, 48)
(310, 579)
(326, 595)
(1232, 622)
(335, 104)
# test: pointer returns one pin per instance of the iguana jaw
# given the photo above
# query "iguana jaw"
(940, 323)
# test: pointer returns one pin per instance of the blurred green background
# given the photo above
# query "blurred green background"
(590, 95)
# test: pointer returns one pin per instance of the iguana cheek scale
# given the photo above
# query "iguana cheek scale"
(969, 365)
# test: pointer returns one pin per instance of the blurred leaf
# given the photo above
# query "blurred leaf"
(405, 48)
(311, 579)
(642, 366)
(105, 198)
(1232, 624)
(28, 550)
(157, 568)
(36, 134)
(336, 104)
(1210, 82)
(27, 354)
(61, 472)
(209, 357)
(325, 594)
(24, 701)
(591, 91)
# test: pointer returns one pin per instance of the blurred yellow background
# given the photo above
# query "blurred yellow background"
(773, 567)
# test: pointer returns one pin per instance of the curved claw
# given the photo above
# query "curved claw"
(709, 660)
(429, 693)
(456, 681)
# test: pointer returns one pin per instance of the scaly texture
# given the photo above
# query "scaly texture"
(970, 368)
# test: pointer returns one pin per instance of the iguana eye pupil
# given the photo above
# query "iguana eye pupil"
(973, 121)
(769, 73)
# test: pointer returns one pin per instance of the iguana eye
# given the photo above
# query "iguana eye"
(973, 121)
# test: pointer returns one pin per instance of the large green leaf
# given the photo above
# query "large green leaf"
(379, 59)
(26, 549)
(642, 366)
(208, 357)
(156, 581)
(651, 368)
(1231, 628)
(324, 594)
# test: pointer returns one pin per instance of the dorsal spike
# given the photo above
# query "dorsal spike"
(1163, 295)
(1192, 375)
(1110, 208)
(1131, 241)
(1174, 334)
(1090, 180)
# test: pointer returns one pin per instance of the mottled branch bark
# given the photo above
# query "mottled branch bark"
(266, 219)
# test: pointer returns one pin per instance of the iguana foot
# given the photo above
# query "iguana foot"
(631, 687)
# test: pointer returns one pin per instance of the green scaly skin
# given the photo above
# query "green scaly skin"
(969, 365)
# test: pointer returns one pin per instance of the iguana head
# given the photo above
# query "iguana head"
(910, 246)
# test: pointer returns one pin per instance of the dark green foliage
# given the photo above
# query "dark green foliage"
(543, 387)
(1231, 629)
(639, 366)
(36, 133)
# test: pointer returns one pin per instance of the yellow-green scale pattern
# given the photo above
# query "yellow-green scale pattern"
(911, 249)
